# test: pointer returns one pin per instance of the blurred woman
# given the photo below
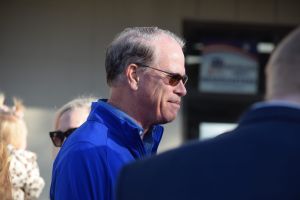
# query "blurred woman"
(68, 118)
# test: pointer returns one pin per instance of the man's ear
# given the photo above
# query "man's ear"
(132, 77)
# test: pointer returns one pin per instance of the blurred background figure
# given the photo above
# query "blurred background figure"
(69, 117)
(19, 172)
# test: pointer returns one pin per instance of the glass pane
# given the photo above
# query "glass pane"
(212, 129)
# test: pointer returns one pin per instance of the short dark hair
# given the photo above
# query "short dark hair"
(133, 45)
(283, 68)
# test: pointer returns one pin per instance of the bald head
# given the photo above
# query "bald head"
(283, 70)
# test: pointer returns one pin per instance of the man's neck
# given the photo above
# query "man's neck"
(130, 108)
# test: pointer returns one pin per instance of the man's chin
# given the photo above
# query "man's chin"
(168, 119)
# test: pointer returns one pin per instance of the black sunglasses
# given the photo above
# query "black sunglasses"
(174, 78)
(58, 137)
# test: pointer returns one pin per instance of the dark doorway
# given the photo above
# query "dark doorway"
(225, 64)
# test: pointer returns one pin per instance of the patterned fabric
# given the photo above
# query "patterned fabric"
(25, 175)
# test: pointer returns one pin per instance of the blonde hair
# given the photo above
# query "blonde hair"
(13, 131)
(80, 102)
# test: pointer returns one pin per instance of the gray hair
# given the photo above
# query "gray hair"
(80, 102)
(133, 45)
(283, 68)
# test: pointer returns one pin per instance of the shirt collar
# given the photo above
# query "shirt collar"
(125, 129)
(120, 114)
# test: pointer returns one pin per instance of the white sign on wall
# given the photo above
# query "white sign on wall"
(227, 69)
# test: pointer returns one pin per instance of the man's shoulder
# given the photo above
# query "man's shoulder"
(178, 168)
(185, 155)
(90, 133)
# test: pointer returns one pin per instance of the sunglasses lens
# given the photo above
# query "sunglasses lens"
(57, 138)
(175, 79)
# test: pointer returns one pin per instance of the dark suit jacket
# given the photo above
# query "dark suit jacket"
(260, 159)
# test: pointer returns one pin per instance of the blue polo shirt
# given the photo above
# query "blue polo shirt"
(89, 161)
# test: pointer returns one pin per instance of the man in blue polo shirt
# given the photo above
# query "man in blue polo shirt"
(146, 74)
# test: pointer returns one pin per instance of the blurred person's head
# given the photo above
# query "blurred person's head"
(13, 131)
(146, 73)
(283, 70)
(69, 117)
